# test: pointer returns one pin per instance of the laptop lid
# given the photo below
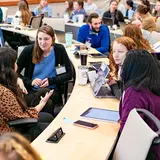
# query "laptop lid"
(108, 21)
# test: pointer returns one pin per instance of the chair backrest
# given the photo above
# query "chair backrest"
(4, 11)
(36, 22)
(136, 137)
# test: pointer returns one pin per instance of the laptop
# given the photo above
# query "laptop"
(108, 21)
(99, 89)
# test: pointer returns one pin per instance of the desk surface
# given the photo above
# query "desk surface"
(30, 33)
(80, 143)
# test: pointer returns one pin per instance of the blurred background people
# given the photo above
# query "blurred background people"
(43, 9)
(13, 146)
(113, 13)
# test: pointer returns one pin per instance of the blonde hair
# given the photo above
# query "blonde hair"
(135, 33)
(13, 146)
(129, 44)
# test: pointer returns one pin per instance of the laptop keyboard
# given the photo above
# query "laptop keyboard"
(104, 91)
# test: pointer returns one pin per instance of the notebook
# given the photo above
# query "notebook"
(101, 114)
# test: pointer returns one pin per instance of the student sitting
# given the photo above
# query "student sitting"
(20, 20)
(43, 9)
(148, 22)
(119, 49)
(78, 8)
(113, 13)
(96, 34)
(12, 104)
(134, 32)
(69, 8)
(129, 9)
(140, 76)
(14, 146)
(41, 62)
(90, 7)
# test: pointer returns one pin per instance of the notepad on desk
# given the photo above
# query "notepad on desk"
(101, 114)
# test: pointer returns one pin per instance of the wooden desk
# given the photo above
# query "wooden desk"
(80, 143)
(29, 33)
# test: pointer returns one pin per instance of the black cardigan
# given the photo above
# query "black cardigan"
(61, 57)
(118, 16)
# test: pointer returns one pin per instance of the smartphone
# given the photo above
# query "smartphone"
(85, 124)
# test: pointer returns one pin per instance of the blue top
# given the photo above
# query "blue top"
(82, 11)
(100, 40)
(41, 71)
(47, 9)
(128, 11)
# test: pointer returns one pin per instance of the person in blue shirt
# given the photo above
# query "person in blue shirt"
(78, 8)
(96, 33)
(129, 7)
(44, 9)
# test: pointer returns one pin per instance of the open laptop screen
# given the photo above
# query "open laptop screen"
(103, 70)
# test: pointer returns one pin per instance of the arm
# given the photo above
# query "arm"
(64, 60)
(116, 90)
(132, 99)
(105, 41)
(80, 37)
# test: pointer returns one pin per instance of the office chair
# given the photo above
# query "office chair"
(137, 137)
(66, 84)
(22, 122)
(36, 22)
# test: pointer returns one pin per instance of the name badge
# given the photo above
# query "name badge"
(60, 70)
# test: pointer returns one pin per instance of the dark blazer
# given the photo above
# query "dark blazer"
(61, 57)
(118, 16)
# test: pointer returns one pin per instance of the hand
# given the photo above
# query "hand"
(111, 82)
(37, 82)
(45, 83)
(44, 99)
(21, 85)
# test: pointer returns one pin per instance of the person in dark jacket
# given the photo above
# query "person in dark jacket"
(1, 15)
(140, 76)
(47, 66)
(113, 13)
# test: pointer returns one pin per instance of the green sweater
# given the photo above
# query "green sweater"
(1, 15)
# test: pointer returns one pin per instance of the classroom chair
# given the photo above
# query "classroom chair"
(137, 137)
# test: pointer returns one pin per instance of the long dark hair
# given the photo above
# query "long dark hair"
(8, 77)
(142, 71)
(37, 51)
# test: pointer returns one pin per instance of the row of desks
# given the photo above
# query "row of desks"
(78, 143)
